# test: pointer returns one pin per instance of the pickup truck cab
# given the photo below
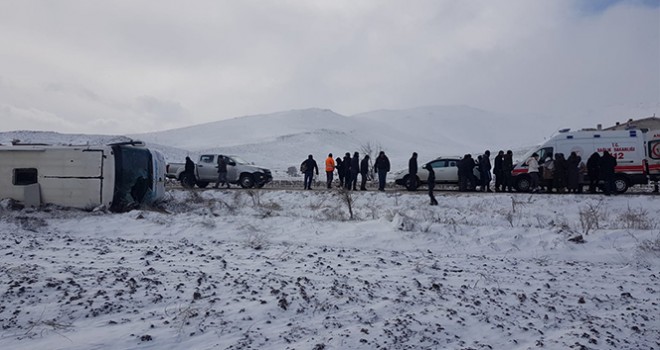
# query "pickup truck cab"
(239, 172)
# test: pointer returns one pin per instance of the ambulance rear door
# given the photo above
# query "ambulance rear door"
(653, 152)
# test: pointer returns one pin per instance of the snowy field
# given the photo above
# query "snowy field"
(241, 269)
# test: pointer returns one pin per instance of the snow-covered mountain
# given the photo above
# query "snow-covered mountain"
(283, 139)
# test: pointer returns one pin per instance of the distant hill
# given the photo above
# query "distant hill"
(283, 139)
(288, 137)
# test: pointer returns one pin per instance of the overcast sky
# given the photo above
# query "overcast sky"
(138, 66)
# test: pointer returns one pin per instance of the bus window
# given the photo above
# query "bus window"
(25, 176)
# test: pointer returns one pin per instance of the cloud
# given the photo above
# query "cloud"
(128, 66)
(164, 110)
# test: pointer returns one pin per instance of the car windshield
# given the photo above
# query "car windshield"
(238, 160)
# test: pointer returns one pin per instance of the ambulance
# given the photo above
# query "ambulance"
(119, 176)
(637, 153)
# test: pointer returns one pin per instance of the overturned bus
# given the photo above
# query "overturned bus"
(120, 176)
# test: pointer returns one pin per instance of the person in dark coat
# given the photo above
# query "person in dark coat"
(412, 172)
(573, 172)
(467, 180)
(188, 179)
(479, 170)
(364, 172)
(499, 172)
(507, 168)
(346, 163)
(484, 171)
(472, 179)
(607, 165)
(339, 165)
(462, 174)
(431, 183)
(309, 166)
(593, 170)
(559, 174)
(355, 169)
(222, 172)
(382, 166)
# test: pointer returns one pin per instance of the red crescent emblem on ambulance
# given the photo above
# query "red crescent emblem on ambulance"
(655, 151)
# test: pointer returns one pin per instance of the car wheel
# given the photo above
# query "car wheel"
(620, 184)
(523, 184)
(410, 186)
(246, 181)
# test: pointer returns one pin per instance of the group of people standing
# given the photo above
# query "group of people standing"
(349, 167)
(555, 173)
(560, 174)
(348, 170)
(502, 167)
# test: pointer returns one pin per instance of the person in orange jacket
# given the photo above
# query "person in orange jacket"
(329, 169)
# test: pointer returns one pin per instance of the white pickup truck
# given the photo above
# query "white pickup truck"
(206, 171)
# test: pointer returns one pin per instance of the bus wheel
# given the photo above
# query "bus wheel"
(620, 184)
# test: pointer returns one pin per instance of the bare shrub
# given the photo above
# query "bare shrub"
(317, 204)
(509, 217)
(347, 198)
(636, 219)
(590, 216)
(332, 214)
(373, 210)
(256, 240)
(195, 197)
(515, 204)
(208, 223)
(650, 246)
(513, 215)
(184, 314)
(256, 197)
(404, 222)
(274, 206)
(42, 326)
(30, 223)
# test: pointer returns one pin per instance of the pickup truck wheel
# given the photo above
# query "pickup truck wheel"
(202, 184)
(187, 181)
(246, 181)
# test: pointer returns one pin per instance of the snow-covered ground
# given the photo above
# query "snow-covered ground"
(242, 269)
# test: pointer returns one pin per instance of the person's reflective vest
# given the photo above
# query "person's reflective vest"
(329, 164)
